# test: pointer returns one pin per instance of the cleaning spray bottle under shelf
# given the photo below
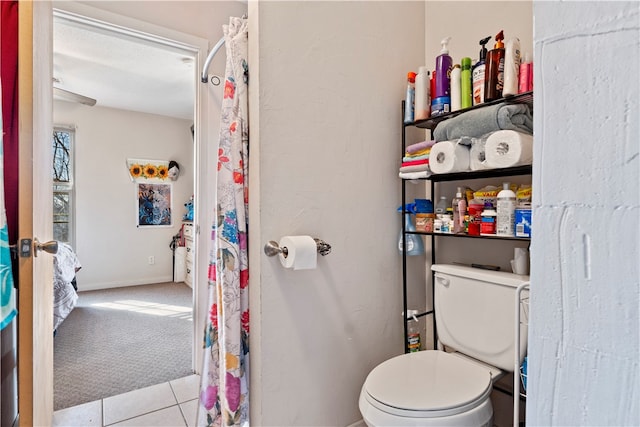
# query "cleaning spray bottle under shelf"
(415, 246)
(413, 332)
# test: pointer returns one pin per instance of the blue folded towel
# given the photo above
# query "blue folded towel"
(481, 121)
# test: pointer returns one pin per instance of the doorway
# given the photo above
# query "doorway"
(114, 249)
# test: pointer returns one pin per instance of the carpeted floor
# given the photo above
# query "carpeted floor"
(122, 339)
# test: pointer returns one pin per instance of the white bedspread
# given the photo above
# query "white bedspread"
(65, 266)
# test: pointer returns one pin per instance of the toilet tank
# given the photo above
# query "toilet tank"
(475, 313)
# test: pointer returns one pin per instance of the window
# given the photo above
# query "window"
(63, 225)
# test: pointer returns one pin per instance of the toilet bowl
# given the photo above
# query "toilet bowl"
(474, 311)
(428, 388)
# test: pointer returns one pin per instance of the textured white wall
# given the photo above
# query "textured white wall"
(327, 98)
(583, 345)
(113, 252)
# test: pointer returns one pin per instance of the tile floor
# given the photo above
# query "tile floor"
(170, 404)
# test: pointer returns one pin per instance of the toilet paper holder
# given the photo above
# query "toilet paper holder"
(272, 248)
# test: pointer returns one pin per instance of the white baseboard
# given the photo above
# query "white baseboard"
(122, 284)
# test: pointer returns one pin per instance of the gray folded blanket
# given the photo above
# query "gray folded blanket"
(481, 121)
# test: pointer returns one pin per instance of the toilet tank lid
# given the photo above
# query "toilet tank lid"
(499, 277)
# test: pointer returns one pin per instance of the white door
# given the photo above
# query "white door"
(35, 290)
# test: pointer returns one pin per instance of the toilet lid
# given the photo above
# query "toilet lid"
(428, 381)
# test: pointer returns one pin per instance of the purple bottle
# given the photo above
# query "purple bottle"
(444, 63)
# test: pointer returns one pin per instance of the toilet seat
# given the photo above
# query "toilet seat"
(427, 384)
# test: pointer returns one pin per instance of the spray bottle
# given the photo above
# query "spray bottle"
(478, 73)
(413, 333)
(415, 246)
(494, 73)
(410, 98)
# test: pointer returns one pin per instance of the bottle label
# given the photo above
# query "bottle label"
(505, 220)
(414, 342)
(500, 79)
(478, 85)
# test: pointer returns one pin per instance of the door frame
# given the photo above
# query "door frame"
(191, 45)
(35, 376)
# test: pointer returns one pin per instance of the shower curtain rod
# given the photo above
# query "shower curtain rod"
(205, 78)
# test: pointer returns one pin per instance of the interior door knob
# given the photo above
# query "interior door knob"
(49, 247)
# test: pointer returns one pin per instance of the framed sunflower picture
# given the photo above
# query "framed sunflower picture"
(144, 170)
(153, 205)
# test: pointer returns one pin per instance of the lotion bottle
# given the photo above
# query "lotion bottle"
(478, 73)
(410, 97)
(506, 208)
(423, 98)
(494, 73)
(455, 88)
(511, 66)
(444, 64)
(459, 206)
(465, 83)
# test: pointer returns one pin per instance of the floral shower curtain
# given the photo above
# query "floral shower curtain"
(224, 390)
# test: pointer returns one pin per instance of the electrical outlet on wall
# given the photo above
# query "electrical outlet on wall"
(152, 260)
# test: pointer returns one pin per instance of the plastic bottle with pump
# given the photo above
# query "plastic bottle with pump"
(478, 73)
(494, 73)
(423, 95)
(459, 206)
(511, 66)
(444, 63)
(409, 107)
(415, 246)
(465, 84)
(455, 88)
(413, 332)
(506, 208)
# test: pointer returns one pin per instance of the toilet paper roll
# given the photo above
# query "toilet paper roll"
(520, 261)
(508, 148)
(477, 155)
(449, 157)
(302, 252)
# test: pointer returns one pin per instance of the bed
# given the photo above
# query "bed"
(65, 297)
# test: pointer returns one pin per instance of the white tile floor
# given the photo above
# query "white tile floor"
(169, 404)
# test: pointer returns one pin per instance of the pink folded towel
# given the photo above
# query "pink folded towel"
(416, 162)
(419, 146)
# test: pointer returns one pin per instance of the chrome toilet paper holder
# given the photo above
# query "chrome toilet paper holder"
(272, 248)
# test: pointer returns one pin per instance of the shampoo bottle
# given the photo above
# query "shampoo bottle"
(511, 66)
(410, 97)
(455, 88)
(494, 73)
(444, 64)
(465, 84)
(506, 208)
(423, 98)
(459, 206)
(478, 74)
(525, 82)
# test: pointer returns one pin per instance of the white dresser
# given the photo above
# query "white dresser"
(188, 233)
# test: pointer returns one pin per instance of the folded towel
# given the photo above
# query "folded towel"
(412, 158)
(413, 148)
(415, 175)
(418, 153)
(415, 168)
(415, 162)
(478, 122)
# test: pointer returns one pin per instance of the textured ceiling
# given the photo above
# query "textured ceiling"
(123, 71)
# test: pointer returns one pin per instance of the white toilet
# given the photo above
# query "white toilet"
(475, 320)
